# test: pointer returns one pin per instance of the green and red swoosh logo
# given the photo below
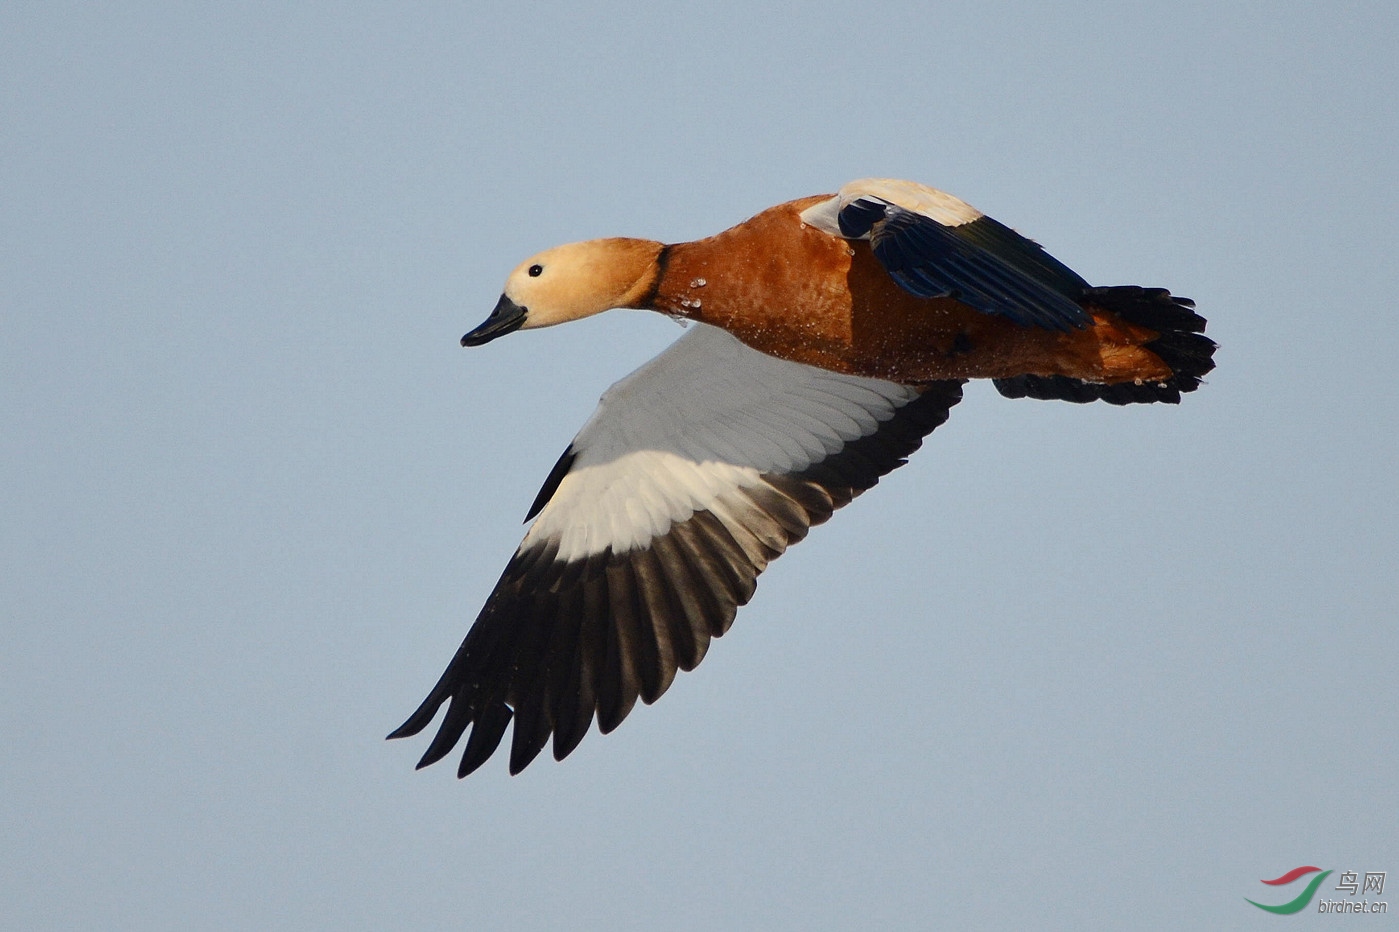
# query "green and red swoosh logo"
(1303, 899)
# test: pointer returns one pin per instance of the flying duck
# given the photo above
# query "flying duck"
(833, 333)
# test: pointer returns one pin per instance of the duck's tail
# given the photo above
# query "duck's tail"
(1179, 343)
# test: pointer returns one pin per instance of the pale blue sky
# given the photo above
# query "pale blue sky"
(1073, 667)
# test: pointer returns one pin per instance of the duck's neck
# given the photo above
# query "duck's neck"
(630, 271)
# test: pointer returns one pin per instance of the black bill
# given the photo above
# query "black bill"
(506, 318)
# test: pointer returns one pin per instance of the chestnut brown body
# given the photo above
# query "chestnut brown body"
(793, 291)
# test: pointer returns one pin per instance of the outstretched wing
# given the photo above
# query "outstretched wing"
(935, 245)
(693, 474)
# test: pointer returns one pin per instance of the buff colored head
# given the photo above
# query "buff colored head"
(571, 282)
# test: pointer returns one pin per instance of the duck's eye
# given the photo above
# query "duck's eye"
(535, 271)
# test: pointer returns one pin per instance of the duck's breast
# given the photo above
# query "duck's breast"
(776, 283)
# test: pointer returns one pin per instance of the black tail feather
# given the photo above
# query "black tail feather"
(1182, 345)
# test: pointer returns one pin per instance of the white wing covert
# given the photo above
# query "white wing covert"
(694, 473)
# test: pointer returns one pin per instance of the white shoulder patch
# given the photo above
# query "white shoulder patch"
(910, 195)
(824, 216)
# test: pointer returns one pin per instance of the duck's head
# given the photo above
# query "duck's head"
(571, 282)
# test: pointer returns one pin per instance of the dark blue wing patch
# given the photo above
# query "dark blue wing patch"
(858, 216)
(986, 266)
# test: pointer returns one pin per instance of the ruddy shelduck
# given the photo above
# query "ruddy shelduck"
(834, 333)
